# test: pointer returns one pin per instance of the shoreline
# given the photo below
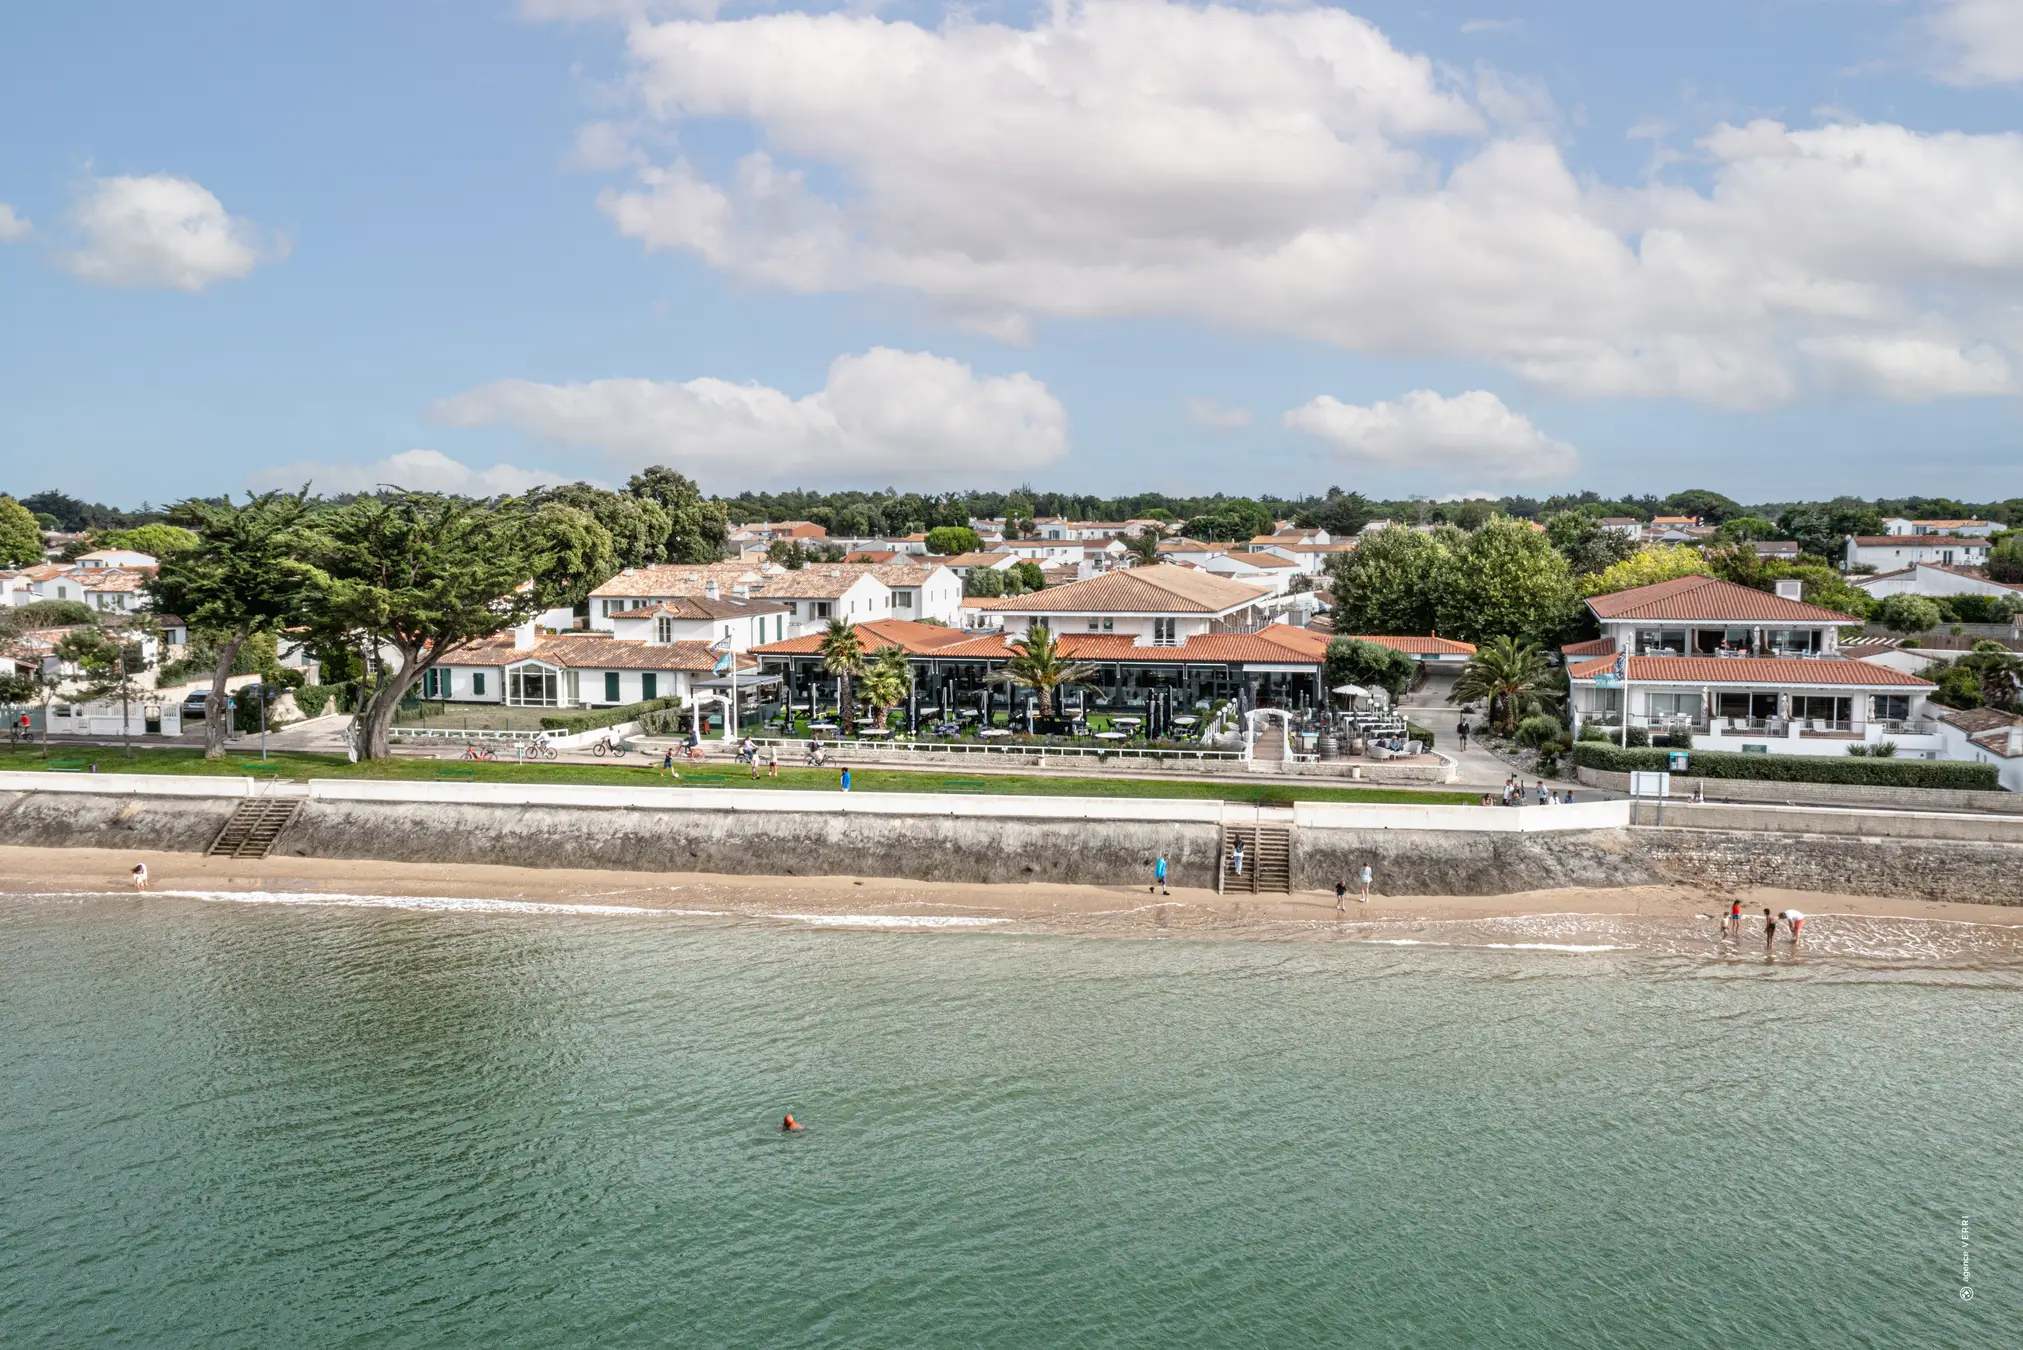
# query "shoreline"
(1120, 910)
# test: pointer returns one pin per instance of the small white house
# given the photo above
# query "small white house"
(740, 622)
(1934, 580)
(1985, 736)
(1894, 552)
(117, 557)
(1973, 528)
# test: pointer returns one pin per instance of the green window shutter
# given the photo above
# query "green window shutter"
(478, 683)
(649, 686)
(611, 686)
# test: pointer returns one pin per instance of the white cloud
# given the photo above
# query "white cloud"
(1910, 368)
(1291, 171)
(1206, 412)
(415, 470)
(1471, 437)
(887, 411)
(160, 230)
(13, 227)
(1980, 41)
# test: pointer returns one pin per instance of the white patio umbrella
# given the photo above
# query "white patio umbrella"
(1352, 690)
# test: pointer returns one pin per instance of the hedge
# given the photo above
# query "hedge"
(1415, 732)
(607, 717)
(1911, 773)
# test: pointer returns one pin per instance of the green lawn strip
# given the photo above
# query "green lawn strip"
(640, 774)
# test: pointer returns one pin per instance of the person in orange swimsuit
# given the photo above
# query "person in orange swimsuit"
(790, 1124)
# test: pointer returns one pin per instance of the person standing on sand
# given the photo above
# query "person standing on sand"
(1341, 894)
(1366, 879)
(140, 876)
(1159, 875)
(1735, 918)
(1769, 929)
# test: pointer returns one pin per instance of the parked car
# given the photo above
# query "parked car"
(193, 705)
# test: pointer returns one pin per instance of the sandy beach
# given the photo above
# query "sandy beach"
(1116, 909)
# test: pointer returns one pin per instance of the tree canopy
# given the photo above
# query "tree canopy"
(1647, 567)
(698, 529)
(158, 541)
(1236, 519)
(948, 540)
(20, 535)
(1353, 661)
(1504, 580)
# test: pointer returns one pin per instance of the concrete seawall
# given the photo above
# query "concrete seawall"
(1414, 850)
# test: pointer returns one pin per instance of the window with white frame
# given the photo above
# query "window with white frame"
(663, 629)
(1163, 632)
(1674, 707)
(1889, 707)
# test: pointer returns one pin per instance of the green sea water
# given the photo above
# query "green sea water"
(270, 1125)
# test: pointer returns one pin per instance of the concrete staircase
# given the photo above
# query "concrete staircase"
(1267, 860)
(254, 828)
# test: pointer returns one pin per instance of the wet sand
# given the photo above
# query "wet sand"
(1120, 909)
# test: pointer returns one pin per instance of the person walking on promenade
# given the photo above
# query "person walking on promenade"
(1159, 876)
(1541, 793)
(1237, 857)
(1462, 732)
(1769, 929)
(773, 762)
(1365, 879)
(846, 788)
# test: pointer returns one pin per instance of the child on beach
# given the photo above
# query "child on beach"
(140, 876)
(773, 762)
(1769, 928)
(1159, 875)
(1341, 894)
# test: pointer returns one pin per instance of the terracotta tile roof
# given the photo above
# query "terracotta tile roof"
(904, 574)
(875, 635)
(1920, 541)
(1710, 600)
(817, 581)
(1278, 644)
(1137, 590)
(702, 607)
(1592, 647)
(1976, 721)
(872, 555)
(1339, 546)
(1951, 524)
(1267, 560)
(1419, 646)
(671, 579)
(110, 579)
(1754, 670)
(976, 559)
(596, 653)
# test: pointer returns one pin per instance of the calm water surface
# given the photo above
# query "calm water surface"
(307, 1126)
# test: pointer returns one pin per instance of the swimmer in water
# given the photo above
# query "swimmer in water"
(789, 1125)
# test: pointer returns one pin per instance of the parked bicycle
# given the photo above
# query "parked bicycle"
(474, 752)
(611, 747)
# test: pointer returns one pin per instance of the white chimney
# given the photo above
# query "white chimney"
(523, 637)
(1791, 590)
(709, 590)
(2014, 747)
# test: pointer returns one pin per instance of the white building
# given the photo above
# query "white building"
(526, 669)
(1894, 552)
(740, 622)
(1742, 670)
(1933, 579)
(1974, 528)
(118, 557)
(1985, 736)
(1159, 606)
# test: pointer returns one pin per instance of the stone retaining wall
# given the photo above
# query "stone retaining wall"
(1820, 794)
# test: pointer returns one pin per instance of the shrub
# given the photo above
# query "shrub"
(1593, 731)
(1538, 732)
(1415, 732)
(1866, 770)
(312, 699)
(571, 723)
(54, 614)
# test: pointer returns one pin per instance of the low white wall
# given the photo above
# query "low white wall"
(134, 784)
(1495, 820)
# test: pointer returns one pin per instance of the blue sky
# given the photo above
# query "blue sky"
(1406, 248)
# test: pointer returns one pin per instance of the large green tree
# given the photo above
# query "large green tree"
(948, 540)
(1351, 661)
(20, 535)
(1389, 584)
(639, 525)
(1504, 580)
(1236, 519)
(159, 541)
(1341, 514)
(1647, 567)
(1587, 544)
(415, 577)
(698, 530)
(1822, 528)
(245, 576)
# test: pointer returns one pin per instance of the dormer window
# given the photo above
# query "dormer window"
(663, 629)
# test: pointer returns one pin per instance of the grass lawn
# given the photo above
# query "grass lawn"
(635, 773)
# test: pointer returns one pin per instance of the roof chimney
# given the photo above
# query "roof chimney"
(1791, 590)
(2014, 746)
(709, 589)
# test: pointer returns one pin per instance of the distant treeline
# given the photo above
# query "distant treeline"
(892, 512)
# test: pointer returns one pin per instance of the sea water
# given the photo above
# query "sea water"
(372, 1123)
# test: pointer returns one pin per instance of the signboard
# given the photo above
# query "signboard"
(1650, 784)
(1678, 761)
(1755, 749)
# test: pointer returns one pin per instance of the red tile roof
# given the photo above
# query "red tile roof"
(1752, 670)
(1592, 647)
(1921, 541)
(1278, 644)
(875, 635)
(1709, 600)
(1160, 589)
(1419, 646)
(586, 652)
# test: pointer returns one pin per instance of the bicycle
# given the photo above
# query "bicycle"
(607, 746)
(542, 750)
(472, 752)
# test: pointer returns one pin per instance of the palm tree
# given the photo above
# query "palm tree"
(842, 656)
(1039, 664)
(1142, 548)
(887, 681)
(1502, 671)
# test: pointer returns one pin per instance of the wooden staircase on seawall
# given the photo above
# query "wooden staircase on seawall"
(1267, 860)
(254, 828)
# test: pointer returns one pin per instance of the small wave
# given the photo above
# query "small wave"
(445, 903)
(1554, 947)
(891, 920)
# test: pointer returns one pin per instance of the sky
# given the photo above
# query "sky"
(1771, 248)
